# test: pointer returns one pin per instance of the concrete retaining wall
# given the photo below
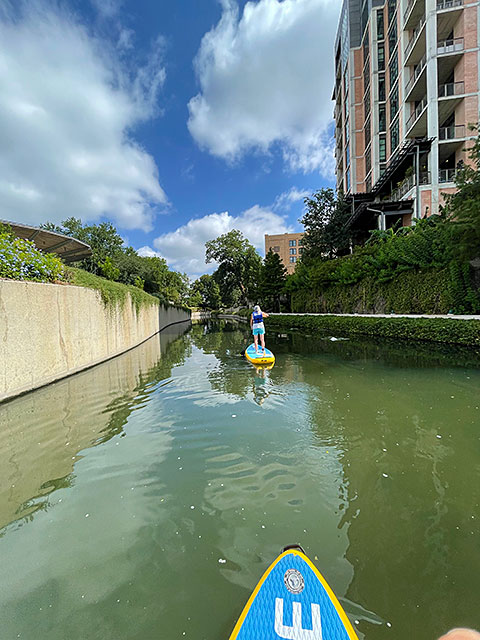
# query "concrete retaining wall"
(50, 331)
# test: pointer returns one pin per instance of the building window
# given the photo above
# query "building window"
(366, 102)
(276, 249)
(382, 142)
(347, 155)
(392, 37)
(293, 259)
(293, 252)
(368, 133)
(393, 68)
(347, 180)
(393, 103)
(300, 251)
(380, 25)
(382, 117)
(381, 57)
(381, 88)
(368, 161)
(392, 6)
(292, 243)
(394, 136)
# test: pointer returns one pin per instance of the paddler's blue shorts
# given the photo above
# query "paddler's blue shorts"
(258, 332)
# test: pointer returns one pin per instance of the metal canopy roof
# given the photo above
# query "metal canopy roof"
(69, 249)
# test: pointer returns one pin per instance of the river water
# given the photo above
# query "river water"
(143, 498)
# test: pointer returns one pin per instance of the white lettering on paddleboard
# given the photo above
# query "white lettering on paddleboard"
(296, 631)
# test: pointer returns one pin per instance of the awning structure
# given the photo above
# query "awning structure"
(68, 249)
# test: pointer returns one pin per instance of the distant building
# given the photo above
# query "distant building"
(288, 246)
(406, 89)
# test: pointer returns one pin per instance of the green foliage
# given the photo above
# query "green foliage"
(112, 293)
(108, 269)
(327, 234)
(239, 267)
(21, 260)
(410, 270)
(111, 259)
(450, 330)
(463, 207)
(205, 293)
(272, 281)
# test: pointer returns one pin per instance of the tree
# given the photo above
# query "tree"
(239, 267)
(205, 293)
(327, 234)
(462, 208)
(273, 280)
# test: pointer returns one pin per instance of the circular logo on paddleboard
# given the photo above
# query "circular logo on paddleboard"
(294, 581)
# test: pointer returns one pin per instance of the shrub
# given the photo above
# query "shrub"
(21, 260)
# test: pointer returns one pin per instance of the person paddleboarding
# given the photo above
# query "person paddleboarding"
(258, 327)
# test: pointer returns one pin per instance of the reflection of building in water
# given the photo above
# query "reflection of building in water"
(42, 432)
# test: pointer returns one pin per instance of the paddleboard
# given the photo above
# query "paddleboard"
(260, 358)
(293, 600)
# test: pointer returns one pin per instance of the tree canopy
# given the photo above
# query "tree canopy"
(327, 234)
(273, 280)
(239, 267)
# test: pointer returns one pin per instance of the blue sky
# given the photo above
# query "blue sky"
(176, 120)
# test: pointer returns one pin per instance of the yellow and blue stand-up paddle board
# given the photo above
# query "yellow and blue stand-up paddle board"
(294, 601)
(260, 358)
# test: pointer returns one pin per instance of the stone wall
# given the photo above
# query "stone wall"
(50, 331)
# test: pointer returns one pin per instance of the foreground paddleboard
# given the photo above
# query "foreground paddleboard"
(262, 357)
(294, 601)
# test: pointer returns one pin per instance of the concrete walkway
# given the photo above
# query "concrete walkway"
(450, 316)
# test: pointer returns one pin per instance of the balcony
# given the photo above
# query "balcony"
(407, 185)
(453, 132)
(453, 46)
(416, 126)
(415, 75)
(442, 5)
(446, 175)
(415, 9)
(451, 89)
(416, 45)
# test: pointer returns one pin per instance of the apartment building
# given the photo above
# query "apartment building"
(406, 91)
(288, 246)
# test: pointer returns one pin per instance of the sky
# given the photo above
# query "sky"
(176, 120)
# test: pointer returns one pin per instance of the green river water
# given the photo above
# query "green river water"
(143, 498)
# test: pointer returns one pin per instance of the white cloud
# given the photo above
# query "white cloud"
(285, 200)
(184, 248)
(266, 78)
(67, 109)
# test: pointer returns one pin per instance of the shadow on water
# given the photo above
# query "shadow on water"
(42, 433)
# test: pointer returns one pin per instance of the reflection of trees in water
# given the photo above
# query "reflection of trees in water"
(394, 352)
(410, 494)
(174, 352)
(225, 340)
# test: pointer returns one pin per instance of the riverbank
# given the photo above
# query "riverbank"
(463, 330)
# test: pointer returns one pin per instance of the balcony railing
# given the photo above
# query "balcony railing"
(415, 34)
(453, 132)
(451, 89)
(408, 9)
(407, 185)
(448, 4)
(453, 45)
(447, 175)
(418, 70)
(417, 112)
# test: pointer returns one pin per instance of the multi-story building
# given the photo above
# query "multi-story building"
(288, 246)
(406, 91)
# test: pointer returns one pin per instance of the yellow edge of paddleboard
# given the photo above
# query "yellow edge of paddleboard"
(264, 360)
(343, 616)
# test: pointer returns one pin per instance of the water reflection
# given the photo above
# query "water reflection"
(43, 433)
